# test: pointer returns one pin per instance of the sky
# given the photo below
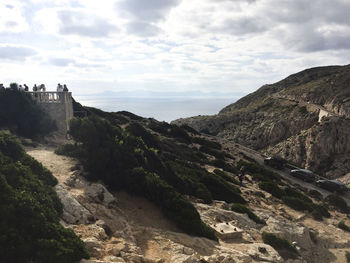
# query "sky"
(214, 47)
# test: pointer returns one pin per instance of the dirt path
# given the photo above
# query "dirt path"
(60, 166)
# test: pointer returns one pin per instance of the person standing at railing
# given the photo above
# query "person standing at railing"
(26, 88)
(65, 89)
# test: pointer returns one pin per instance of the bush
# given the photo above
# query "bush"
(259, 172)
(207, 143)
(21, 115)
(347, 255)
(189, 129)
(343, 226)
(279, 243)
(218, 154)
(297, 203)
(239, 208)
(315, 194)
(295, 193)
(337, 202)
(29, 223)
(221, 190)
(225, 176)
(124, 161)
(179, 133)
(71, 150)
(320, 211)
(139, 131)
(272, 188)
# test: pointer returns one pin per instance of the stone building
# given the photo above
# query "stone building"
(58, 105)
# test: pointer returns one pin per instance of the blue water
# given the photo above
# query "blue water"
(162, 109)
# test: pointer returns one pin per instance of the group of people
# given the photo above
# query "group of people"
(61, 88)
(41, 87)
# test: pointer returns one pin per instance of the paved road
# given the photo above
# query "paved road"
(259, 158)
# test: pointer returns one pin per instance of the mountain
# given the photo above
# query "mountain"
(141, 191)
(303, 118)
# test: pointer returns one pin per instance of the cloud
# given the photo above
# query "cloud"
(142, 29)
(83, 24)
(61, 62)
(11, 18)
(15, 52)
(150, 10)
(143, 16)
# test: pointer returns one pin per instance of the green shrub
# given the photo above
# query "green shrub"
(189, 129)
(343, 226)
(207, 143)
(337, 202)
(295, 193)
(225, 176)
(29, 223)
(315, 194)
(347, 255)
(124, 161)
(259, 172)
(21, 115)
(297, 203)
(160, 127)
(139, 131)
(179, 133)
(320, 211)
(218, 154)
(239, 208)
(272, 188)
(221, 190)
(71, 150)
(279, 243)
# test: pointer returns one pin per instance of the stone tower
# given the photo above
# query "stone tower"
(58, 105)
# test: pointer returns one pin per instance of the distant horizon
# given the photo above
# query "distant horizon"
(161, 108)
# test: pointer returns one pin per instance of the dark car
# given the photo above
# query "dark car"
(303, 174)
(332, 186)
(275, 162)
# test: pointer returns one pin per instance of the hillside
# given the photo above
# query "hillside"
(303, 118)
(138, 190)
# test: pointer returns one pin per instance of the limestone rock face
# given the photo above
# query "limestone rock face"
(303, 118)
(73, 211)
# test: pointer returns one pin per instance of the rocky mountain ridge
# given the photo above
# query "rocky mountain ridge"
(303, 118)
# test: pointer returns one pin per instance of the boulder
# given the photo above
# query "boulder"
(73, 211)
(94, 246)
(99, 194)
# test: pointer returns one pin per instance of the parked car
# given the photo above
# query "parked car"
(303, 174)
(275, 162)
(332, 186)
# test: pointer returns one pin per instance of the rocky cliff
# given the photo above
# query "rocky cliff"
(303, 118)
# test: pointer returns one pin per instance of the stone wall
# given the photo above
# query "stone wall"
(58, 105)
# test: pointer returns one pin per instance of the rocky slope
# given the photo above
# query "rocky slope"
(303, 118)
(117, 227)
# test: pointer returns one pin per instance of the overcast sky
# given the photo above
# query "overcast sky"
(221, 46)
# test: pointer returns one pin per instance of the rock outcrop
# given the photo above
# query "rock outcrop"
(303, 118)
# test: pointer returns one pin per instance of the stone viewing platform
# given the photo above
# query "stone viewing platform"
(59, 105)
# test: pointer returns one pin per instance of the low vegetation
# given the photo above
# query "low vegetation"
(296, 200)
(30, 211)
(240, 208)
(280, 244)
(344, 226)
(20, 114)
(337, 202)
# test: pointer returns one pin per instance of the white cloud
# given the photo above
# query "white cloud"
(212, 45)
(11, 17)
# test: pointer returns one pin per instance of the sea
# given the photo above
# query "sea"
(162, 109)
